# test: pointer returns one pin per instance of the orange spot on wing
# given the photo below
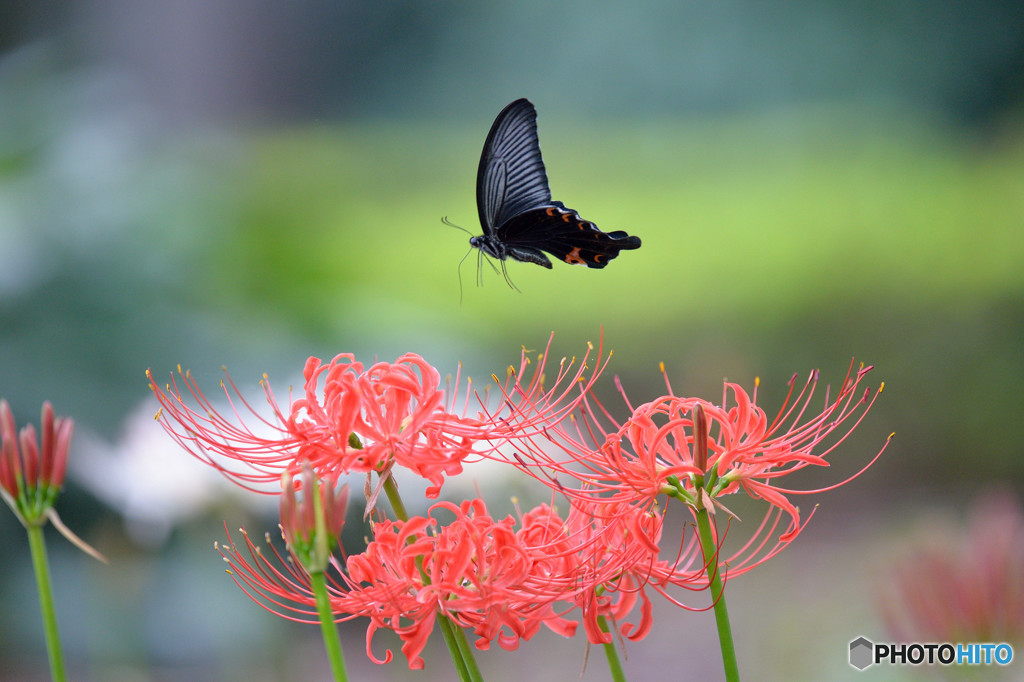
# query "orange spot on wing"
(573, 257)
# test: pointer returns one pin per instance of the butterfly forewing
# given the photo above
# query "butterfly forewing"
(511, 177)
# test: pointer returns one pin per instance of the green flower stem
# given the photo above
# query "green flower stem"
(466, 651)
(391, 490)
(332, 642)
(454, 637)
(611, 653)
(710, 550)
(451, 640)
(37, 546)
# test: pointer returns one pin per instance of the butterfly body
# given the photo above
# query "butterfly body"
(519, 219)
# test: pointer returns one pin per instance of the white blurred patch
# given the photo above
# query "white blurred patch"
(151, 480)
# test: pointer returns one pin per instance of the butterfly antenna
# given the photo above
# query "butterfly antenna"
(457, 227)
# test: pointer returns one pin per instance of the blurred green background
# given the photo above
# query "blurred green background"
(250, 183)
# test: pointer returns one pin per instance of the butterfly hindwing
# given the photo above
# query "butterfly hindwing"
(511, 177)
(563, 233)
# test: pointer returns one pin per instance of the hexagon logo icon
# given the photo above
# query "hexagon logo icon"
(860, 653)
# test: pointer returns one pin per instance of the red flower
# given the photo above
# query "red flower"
(656, 451)
(348, 420)
(396, 412)
(32, 475)
(353, 420)
(961, 585)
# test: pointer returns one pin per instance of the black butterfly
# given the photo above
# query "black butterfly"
(519, 218)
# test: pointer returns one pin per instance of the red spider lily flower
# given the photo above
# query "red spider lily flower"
(396, 411)
(961, 586)
(348, 420)
(351, 419)
(32, 475)
(656, 451)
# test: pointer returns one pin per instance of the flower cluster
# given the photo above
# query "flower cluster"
(483, 574)
(502, 579)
